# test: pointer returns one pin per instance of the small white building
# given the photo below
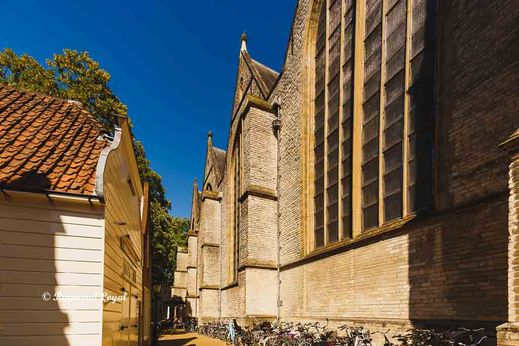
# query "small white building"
(71, 227)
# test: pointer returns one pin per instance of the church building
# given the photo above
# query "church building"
(374, 180)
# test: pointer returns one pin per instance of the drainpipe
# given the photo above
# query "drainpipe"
(276, 126)
(221, 269)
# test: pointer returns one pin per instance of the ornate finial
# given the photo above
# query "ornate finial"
(243, 41)
(209, 138)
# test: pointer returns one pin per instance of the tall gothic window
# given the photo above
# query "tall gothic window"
(237, 205)
(387, 96)
(319, 151)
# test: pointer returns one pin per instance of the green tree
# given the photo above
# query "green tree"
(166, 242)
(76, 76)
(71, 75)
(26, 73)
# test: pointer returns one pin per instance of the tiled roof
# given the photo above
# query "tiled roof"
(47, 143)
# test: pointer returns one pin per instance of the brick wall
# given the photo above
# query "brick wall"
(508, 333)
(477, 100)
(451, 264)
(513, 227)
(192, 287)
(209, 243)
(447, 265)
(180, 275)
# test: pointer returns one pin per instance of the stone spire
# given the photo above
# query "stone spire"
(243, 42)
(210, 138)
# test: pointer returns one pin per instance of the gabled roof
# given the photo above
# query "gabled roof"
(268, 75)
(214, 163)
(219, 161)
(264, 75)
(195, 208)
(47, 144)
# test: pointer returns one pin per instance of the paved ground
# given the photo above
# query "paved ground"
(181, 338)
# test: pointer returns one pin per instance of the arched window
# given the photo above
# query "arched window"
(237, 204)
(373, 114)
(333, 122)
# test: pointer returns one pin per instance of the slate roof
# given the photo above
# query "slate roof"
(268, 75)
(47, 143)
(219, 157)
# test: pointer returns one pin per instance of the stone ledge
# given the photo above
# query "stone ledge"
(259, 191)
(191, 233)
(209, 287)
(348, 243)
(508, 334)
(213, 195)
(259, 318)
(256, 102)
(230, 285)
(251, 101)
(393, 228)
(512, 143)
(258, 264)
(209, 245)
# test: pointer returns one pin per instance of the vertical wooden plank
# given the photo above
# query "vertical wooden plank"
(358, 85)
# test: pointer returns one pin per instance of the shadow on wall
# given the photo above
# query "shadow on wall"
(177, 342)
(28, 272)
(457, 259)
(188, 309)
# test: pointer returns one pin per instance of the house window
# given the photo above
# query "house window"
(237, 205)
(386, 95)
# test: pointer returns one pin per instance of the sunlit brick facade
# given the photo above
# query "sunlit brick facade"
(385, 197)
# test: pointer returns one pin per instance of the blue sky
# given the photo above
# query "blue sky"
(172, 62)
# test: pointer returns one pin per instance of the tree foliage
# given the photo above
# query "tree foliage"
(71, 75)
(76, 76)
(166, 242)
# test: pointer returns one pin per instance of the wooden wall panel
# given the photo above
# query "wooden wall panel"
(50, 247)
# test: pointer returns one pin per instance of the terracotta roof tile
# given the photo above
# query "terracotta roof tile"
(47, 143)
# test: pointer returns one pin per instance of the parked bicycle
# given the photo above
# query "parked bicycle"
(317, 334)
